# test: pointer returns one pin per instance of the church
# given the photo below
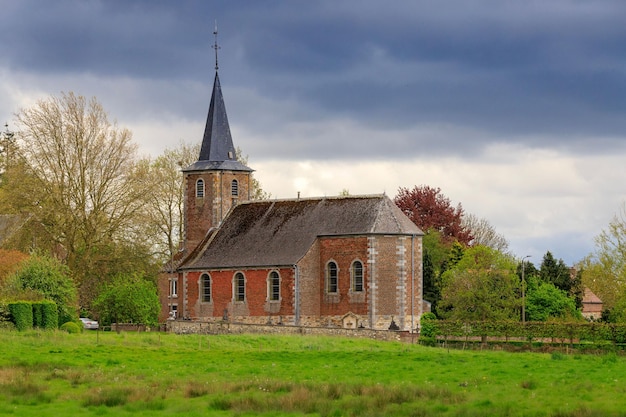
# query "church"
(350, 261)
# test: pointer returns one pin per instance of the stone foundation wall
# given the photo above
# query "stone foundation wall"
(201, 327)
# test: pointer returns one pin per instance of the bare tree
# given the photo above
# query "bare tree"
(483, 233)
(164, 212)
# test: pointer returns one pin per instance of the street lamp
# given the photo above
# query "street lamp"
(524, 292)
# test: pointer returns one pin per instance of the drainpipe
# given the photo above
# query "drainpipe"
(412, 282)
(296, 274)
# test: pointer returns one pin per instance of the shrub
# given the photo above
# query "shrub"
(428, 324)
(70, 327)
(37, 314)
(22, 314)
(50, 313)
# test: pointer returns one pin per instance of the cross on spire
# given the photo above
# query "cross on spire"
(216, 46)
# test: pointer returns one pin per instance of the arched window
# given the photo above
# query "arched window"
(200, 188)
(273, 286)
(206, 288)
(331, 277)
(234, 188)
(356, 275)
(239, 287)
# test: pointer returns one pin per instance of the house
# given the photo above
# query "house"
(592, 305)
(348, 262)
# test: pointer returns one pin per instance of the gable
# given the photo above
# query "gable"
(278, 233)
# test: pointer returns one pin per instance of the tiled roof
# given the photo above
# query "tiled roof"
(590, 298)
(280, 232)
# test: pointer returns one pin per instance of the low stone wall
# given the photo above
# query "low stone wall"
(200, 327)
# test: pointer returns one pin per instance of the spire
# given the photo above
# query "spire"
(217, 143)
(217, 150)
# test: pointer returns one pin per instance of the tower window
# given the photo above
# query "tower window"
(234, 188)
(200, 188)
(331, 278)
(206, 288)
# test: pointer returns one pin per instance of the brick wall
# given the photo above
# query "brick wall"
(203, 213)
(256, 303)
(343, 251)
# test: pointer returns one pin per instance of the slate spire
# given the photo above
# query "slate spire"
(217, 143)
(217, 150)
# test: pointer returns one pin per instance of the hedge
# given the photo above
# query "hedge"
(50, 312)
(22, 314)
(590, 332)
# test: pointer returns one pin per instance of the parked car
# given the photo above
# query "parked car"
(89, 323)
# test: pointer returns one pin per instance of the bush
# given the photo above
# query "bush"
(70, 327)
(50, 313)
(22, 314)
(37, 314)
(428, 324)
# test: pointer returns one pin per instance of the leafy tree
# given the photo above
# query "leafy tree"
(77, 178)
(128, 299)
(604, 270)
(481, 286)
(50, 278)
(483, 233)
(10, 261)
(429, 209)
(544, 301)
(559, 274)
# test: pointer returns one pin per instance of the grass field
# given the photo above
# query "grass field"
(150, 374)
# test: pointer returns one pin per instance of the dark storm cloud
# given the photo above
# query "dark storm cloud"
(506, 70)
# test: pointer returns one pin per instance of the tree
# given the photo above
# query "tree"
(481, 286)
(128, 299)
(50, 278)
(544, 301)
(10, 261)
(483, 233)
(429, 209)
(164, 211)
(563, 278)
(256, 191)
(604, 270)
(78, 180)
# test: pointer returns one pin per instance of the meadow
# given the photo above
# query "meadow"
(157, 374)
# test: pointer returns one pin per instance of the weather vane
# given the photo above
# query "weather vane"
(216, 46)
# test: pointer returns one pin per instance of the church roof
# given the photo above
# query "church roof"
(280, 232)
(217, 151)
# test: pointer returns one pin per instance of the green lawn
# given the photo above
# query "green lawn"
(150, 374)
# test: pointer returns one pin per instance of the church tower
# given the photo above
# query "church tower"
(217, 180)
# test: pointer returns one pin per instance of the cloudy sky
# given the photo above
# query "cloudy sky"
(515, 109)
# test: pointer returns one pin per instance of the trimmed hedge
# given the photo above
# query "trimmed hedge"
(22, 314)
(590, 332)
(50, 312)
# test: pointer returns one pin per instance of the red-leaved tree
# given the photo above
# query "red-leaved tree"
(429, 209)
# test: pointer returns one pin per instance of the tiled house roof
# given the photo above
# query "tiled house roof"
(279, 233)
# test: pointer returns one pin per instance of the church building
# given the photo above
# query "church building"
(353, 261)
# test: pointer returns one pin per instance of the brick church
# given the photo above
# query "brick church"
(349, 262)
